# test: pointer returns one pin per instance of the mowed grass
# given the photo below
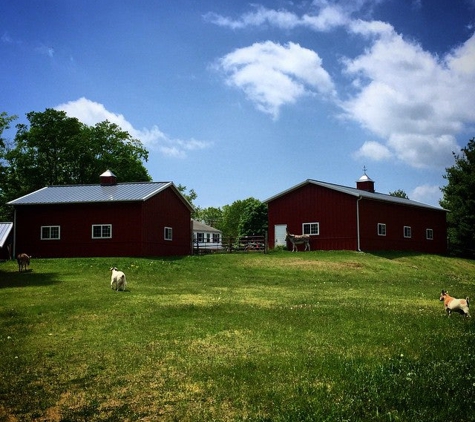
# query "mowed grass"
(315, 336)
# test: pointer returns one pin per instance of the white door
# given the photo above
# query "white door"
(280, 232)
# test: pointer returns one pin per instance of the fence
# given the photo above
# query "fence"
(232, 244)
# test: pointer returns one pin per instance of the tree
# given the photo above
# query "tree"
(459, 199)
(399, 194)
(211, 216)
(243, 218)
(5, 121)
(56, 149)
(253, 220)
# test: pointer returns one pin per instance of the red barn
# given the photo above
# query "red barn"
(106, 219)
(339, 217)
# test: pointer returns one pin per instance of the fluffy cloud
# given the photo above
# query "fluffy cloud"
(427, 194)
(272, 75)
(416, 102)
(373, 150)
(91, 112)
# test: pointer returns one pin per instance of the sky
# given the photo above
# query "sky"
(237, 100)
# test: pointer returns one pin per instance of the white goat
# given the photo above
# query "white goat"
(118, 277)
(455, 305)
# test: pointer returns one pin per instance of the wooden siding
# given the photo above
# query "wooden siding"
(396, 217)
(166, 210)
(334, 211)
(137, 228)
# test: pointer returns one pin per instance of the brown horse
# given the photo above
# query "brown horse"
(298, 239)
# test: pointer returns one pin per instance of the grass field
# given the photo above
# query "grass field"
(315, 336)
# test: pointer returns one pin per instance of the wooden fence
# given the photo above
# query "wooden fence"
(232, 244)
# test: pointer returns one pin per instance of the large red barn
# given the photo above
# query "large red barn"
(339, 217)
(106, 219)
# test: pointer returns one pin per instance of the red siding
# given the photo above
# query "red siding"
(137, 228)
(334, 211)
(166, 210)
(336, 214)
(396, 217)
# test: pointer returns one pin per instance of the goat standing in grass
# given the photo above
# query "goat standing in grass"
(455, 305)
(23, 261)
(118, 278)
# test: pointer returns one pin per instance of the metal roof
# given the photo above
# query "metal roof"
(199, 226)
(5, 229)
(73, 194)
(359, 193)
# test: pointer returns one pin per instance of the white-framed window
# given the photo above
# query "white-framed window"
(381, 229)
(429, 234)
(208, 237)
(215, 237)
(102, 231)
(168, 233)
(311, 228)
(50, 232)
(200, 237)
(407, 232)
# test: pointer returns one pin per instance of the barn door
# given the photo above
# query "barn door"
(280, 232)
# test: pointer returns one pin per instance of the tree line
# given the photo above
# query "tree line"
(55, 149)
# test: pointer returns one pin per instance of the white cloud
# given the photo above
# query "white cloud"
(374, 151)
(328, 17)
(272, 75)
(427, 194)
(416, 102)
(411, 98)
(91, 112)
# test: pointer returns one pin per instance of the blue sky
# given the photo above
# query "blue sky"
(239, 100)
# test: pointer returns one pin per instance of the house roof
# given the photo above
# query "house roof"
(74, 194)
(357, 193)
(201, 227)
(5, 229)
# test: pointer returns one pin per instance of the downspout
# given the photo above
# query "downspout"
(358, 223)
(14, 233)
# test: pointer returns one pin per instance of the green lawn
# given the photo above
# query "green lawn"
(315, 336)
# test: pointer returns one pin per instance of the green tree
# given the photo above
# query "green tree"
(459, 199)
(5, 212)
(253, 220)
(55, 149)
(243, 217)
(211, 216)
(399, 194)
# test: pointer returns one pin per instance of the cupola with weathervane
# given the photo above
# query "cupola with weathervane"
(108, 178)
(365, 182)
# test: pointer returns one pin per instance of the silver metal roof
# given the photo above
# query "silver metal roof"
(359, 193)
(70, 194)
(199, 226)
(5, 229)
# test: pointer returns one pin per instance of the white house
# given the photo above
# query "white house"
(206, 238)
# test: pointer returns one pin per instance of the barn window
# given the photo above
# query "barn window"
(168, 233)
(429, 234)
(407, 231)
(102, 231)
(311, 228)
(50, 232)
(381, 229)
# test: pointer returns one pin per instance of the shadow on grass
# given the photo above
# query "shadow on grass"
(27, 279)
